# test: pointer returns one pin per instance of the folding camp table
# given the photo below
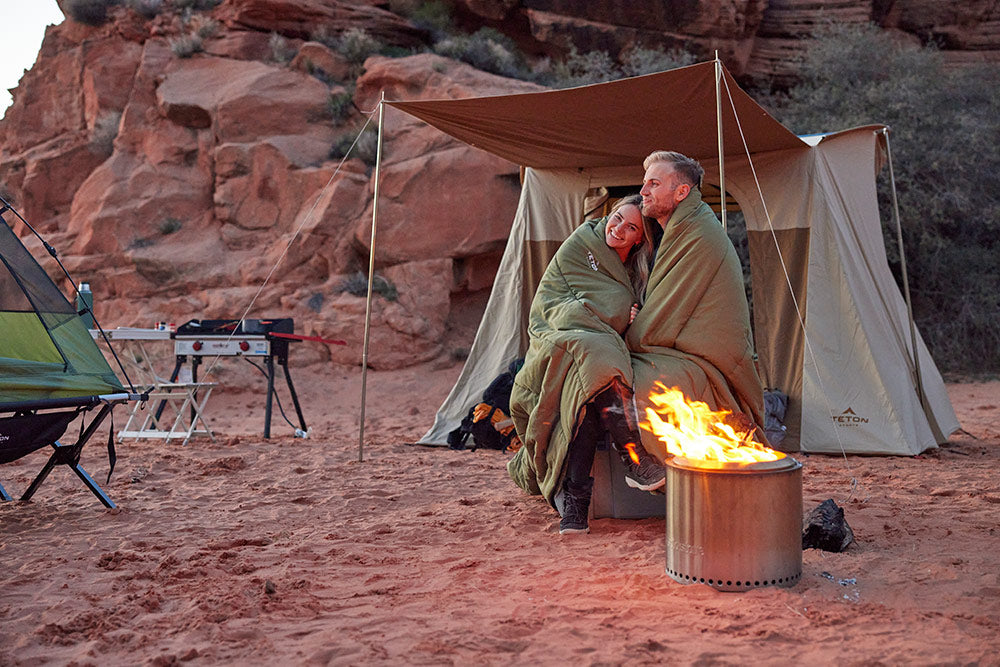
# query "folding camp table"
(176, 409)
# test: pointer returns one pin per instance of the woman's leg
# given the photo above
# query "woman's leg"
(619, 416)
(577, 482)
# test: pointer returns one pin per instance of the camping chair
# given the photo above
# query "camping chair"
(51, 370)
(32, 425)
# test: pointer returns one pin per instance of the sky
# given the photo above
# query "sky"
(24, 24)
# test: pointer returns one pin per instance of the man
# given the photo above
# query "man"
(694, 330)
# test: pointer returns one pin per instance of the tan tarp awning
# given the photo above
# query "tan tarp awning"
(604, 125)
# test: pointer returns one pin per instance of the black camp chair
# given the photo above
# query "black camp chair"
(31, 425)
(51, 370)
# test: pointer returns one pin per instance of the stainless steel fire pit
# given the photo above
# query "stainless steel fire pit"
(734, 526)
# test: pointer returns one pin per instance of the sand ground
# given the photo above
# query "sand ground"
(246, 550)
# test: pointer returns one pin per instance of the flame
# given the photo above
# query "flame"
(630, 446)
(692, 430)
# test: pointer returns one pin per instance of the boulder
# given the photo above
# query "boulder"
(244, 100)
(445, 203)
(313, 56)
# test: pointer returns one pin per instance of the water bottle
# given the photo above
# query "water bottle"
(85, 299)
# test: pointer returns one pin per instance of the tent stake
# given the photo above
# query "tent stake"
(718, 115)
(371, 280)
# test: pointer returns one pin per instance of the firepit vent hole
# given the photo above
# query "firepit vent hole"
(735, 585)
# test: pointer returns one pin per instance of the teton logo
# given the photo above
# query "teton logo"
(849, 418)
(593, 260)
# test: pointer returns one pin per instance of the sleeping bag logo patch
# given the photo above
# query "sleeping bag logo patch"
(592, 260)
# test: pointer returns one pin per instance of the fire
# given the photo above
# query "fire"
(630, 447)
(694, 431)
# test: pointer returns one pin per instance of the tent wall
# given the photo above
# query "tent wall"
(849, 376)
(861, 394)
(549, 209)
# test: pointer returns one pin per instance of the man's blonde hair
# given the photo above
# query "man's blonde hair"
(687, 169)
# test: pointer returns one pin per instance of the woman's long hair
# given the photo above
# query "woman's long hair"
(637, 261)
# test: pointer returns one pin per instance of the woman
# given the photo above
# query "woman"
(575, 381)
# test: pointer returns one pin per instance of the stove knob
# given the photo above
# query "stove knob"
(196, 345)
(244, 345)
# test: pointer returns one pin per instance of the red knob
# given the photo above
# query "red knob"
(196, 345)
(244, 345)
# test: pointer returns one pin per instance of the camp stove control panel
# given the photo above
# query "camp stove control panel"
(222, 346)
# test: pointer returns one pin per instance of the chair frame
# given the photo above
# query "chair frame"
(69, 454)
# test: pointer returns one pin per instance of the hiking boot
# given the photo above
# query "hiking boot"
(646, 475)
(576, 507)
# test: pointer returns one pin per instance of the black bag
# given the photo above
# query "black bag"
(497, 398)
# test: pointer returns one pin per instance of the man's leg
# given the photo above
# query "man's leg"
(620, 417)
(577, 482)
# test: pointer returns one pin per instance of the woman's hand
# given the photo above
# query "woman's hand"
(633, 313)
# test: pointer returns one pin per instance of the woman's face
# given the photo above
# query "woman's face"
(624, 228)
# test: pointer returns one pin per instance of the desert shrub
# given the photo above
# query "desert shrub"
(90, 12)
(339, 105)
(434, 16)
(946, 157)
(581, 69)
(169, 226)
(356, 44)
(281, 50)
(486, 49)
(366, 148)
(102, 136)
(146, 8)
(641, 61)
(204, 26)
(315, 302)
(185, 46)
(200, 5)
(357, 285)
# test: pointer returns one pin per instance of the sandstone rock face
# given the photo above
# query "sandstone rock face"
(755, 38)
(196, 187)
(303, 18)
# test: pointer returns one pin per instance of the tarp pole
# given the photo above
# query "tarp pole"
(371, 280)
(902, 265)
(718, 116)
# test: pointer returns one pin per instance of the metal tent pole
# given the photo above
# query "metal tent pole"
(371, 280)
(902, 264)
(718, 116)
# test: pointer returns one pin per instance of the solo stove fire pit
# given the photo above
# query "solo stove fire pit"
(734, 526)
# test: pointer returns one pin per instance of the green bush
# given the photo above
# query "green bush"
(434, 17)
(186, 46)
(946, 156)
(169, 226)
(641, 61)
(581, 69)
(356, 45)
(366, 148)
(339, 105)
(357, 285)
(90, 12)
(146, 8)
(196, 4)
(487, 50)
(281, 50)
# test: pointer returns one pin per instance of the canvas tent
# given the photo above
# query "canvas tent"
(859, 378)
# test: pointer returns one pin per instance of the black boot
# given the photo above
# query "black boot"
(576, 507)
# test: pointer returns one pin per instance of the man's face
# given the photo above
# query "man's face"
(662, 191)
